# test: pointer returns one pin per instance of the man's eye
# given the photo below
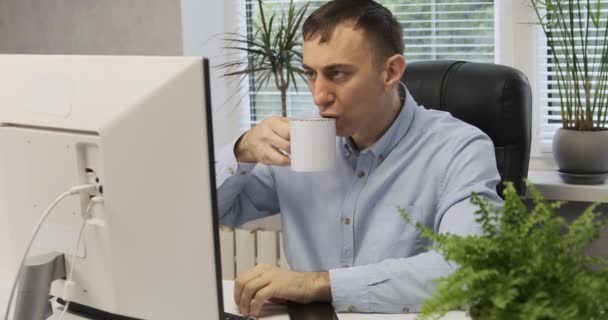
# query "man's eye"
(309, 74)
(335, 74)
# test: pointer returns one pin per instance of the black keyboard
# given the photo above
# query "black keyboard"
(312, 311)
(230, 316)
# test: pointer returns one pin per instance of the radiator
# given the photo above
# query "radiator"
(243, 249)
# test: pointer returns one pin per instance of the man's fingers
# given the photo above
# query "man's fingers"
(279, 158)
(242, 280)
(250, 291)
(280, 143)
(263, 141)
(273, 156)
(281, 128)
(260, 299)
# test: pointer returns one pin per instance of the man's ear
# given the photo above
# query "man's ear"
(394, 69)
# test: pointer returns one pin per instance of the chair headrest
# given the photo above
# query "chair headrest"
(494, 98)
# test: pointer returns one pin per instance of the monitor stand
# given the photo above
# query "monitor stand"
(32, 296)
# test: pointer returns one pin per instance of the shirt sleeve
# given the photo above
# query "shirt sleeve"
(402, 285)
(245, 191)
(391, 286)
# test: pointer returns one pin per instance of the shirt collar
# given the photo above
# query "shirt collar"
(392, 136)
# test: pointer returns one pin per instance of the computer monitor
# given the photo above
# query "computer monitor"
(142, 126)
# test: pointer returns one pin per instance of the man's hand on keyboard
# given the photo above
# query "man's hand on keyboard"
(265, 282)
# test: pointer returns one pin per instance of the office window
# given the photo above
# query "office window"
(550, 114)
(433, 29)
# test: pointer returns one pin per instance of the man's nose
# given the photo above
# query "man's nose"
(322, 93)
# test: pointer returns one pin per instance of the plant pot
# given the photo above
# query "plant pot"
(582, 156)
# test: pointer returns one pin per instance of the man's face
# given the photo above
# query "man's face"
(344, 79)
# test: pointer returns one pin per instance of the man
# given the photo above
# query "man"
(344, 238)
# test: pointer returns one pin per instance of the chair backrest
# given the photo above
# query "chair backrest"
(496, 99)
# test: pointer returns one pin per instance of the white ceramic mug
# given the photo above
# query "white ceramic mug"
(313, 143)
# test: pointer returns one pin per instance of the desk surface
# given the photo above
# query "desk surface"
(271, 311)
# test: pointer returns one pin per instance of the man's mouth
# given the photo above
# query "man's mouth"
(329, 115)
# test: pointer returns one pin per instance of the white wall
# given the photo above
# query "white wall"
(131, 27)
(134, 27)
(204, 24)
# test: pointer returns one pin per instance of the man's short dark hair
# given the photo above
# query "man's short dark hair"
(378, 23)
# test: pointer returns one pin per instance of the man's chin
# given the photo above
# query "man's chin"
(344, 132)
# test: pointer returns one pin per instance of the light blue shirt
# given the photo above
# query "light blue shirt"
(346, 221)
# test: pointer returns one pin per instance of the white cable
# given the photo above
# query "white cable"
(72, 191)
(69, 283)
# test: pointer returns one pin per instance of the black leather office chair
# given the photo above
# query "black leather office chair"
(496, 99)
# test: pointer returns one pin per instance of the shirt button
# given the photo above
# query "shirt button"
(346, 220)
(351, 309)
(406, 310)
(344, 266)
(243, 173)
(360, 174)
(381, 157)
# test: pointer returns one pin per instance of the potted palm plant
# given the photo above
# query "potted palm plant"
(272, 51)
(577, 37)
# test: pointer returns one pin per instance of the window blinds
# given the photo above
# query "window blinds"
(433, 29)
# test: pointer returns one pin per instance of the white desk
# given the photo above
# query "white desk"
(273, 311)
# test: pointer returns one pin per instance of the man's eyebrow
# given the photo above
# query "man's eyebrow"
(331, 66)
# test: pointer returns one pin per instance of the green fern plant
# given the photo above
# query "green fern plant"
(528, 264)
(273, 51)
